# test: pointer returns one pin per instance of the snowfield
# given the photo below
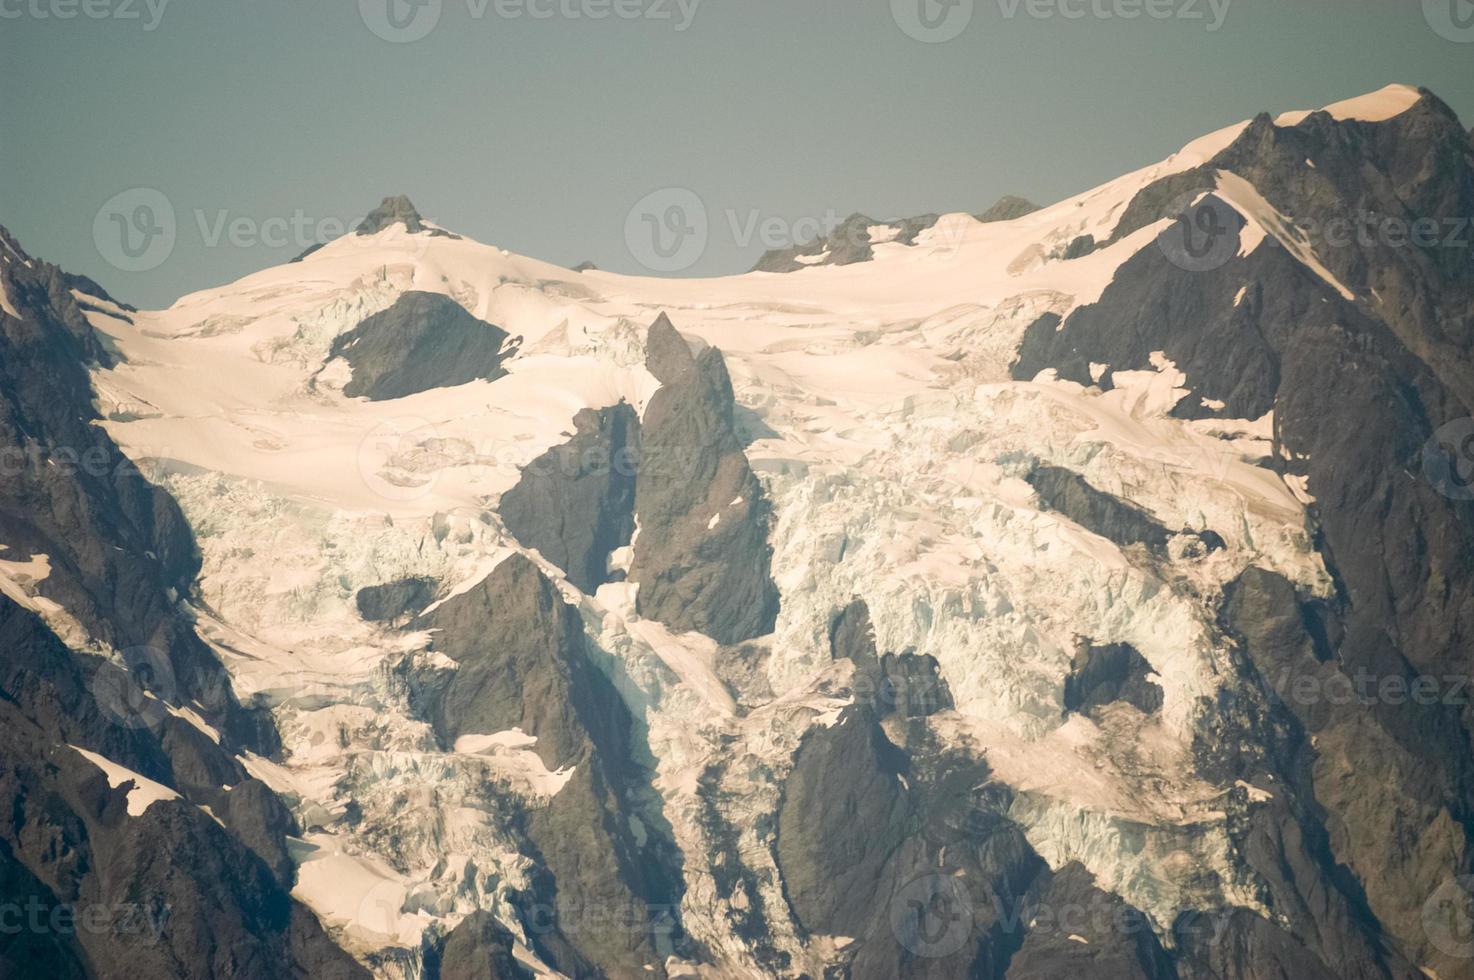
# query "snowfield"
(893, 445)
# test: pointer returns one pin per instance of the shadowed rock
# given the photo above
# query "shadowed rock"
(520, 664)
(184, 896)
(846, 244)
(480, 948)
(600, 903)
(394, 600)
(702, 558)
(423, 341)
(575, 504)
(1084, 933)
(392, 210)
(1357, 387)
(907, 684)
(1112, 518)
(1105, 674)
(1007, 208)
(844, 812)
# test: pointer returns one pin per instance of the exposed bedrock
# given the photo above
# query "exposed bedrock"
(906, 684)
(176, 894)
(117, 548)
(702, 558)
(1358, 386)
(179, 894)
(479, 948)
(423, 341)
(603, 903)
(394, 601)
(1081, 932)
(1109, 673)
(575, 504)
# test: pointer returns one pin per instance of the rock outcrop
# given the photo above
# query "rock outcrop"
(394, 600)
(1113, 672)
(847, 243)
(602, 901)
(702, 558)
(575, 504)
(1361, 362)
(480, 948)
(423, 341)
(397, 210)
(1007, 208)
(163, 889)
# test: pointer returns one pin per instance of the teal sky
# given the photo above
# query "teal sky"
(540, 135)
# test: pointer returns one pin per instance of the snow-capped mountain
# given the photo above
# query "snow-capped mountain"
(964, 596)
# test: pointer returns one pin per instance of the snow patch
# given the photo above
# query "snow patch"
(144, 792)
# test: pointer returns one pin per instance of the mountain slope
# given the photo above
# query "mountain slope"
(129, 810)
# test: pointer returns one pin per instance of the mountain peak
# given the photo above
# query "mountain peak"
(393, 209)
(1007, 208)
(1379, 106)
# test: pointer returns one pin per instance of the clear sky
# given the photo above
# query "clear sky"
(538, 125)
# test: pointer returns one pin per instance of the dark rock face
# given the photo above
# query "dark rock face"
(1078, 248)
(912, 686)
(1110, 673)
(1288, 841)
(907, 684)
(1240, 944)
(929, 876)
(852, 637)
(394, 210)
(1112, 518)
(262, 822)
(844, 811)
(1357, 387)
(172, 893)
(394, 600)
(90, 286)
(575, 504)
(702, 558)
(1007, 208)
(601, 904)
(423, 341)
(116, 544)
(480, 948)
(848, 243)
(521, 664)
(1082, 932)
